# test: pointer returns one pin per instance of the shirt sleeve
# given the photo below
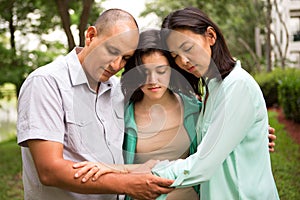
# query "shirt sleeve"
(233, 114)
(40, 112)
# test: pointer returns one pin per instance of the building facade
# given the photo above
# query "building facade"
(288, 35)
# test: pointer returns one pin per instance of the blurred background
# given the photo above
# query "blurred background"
(263, 34)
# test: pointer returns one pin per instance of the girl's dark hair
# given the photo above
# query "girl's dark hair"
(195, 20)
(134, 75)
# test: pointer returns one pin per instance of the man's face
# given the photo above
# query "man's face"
(108, 52)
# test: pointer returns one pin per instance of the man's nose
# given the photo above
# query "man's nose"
(117, 64)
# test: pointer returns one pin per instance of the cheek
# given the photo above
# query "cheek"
(179, 62)
(165, 79)
(144, 89)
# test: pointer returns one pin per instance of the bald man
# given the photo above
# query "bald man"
(71, 110)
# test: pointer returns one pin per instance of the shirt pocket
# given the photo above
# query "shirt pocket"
(78, 132)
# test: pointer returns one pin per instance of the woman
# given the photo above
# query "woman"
(232, 160)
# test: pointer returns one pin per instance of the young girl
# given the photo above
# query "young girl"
(159, 119)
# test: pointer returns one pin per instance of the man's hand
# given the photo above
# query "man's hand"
(147, 186)
(272, 138)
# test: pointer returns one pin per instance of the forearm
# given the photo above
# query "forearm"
(61, 175)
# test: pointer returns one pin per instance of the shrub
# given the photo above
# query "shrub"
(289, 94)
(269, 83)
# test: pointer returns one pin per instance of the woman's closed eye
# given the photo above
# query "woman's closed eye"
(187, 48)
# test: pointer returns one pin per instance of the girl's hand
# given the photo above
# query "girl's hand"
(95, 169)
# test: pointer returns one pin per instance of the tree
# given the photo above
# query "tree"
(237, 19)
(35, 18)
(64, 6)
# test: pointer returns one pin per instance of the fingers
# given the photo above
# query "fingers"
(86, 167)
(271, 146)
(271, 130)
(163, 181)
(80, 164)
(272, 137)
(91, 173)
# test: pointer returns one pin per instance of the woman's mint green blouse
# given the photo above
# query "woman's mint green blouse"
(232, 159)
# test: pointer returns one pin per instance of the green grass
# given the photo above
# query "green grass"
(11, 187)
(285, 164)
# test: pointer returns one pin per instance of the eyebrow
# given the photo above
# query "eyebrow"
(160, 66)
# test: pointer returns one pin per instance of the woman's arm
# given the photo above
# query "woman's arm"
(234, 113)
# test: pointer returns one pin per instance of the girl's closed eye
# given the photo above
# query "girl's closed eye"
(162, 69)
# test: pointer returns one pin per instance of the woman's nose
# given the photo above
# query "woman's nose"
(181, 60)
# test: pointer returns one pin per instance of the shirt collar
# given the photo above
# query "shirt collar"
(77, 74)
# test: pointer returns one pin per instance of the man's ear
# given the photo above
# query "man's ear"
(90, 34)
(212, 36)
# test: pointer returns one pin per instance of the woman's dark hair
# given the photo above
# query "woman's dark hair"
(134, 75)
(195, 20)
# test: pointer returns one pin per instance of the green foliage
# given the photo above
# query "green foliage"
(282, 87)
(285, 162)
(269, 83)
(237, 20)
(289, 94)
(11, 187)
(26, 18)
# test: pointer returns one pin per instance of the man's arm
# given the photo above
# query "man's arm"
(54, 170)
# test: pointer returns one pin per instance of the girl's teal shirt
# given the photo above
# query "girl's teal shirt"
(191, 108)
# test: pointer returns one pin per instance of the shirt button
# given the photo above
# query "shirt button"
(186, 172)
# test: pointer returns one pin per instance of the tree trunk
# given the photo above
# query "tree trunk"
(268, 42)
(86, 10)
(63, 11)
(283, 56)
(252, 53)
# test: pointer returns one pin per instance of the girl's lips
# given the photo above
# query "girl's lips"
(154, 89)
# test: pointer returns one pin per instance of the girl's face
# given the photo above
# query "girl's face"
(158, 74)
(191, 51)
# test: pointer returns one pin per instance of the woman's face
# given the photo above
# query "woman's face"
(191, 51)
(158, 74)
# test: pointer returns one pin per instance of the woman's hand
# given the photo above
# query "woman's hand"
(95, 169)
(143, 168)
(272, 138)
